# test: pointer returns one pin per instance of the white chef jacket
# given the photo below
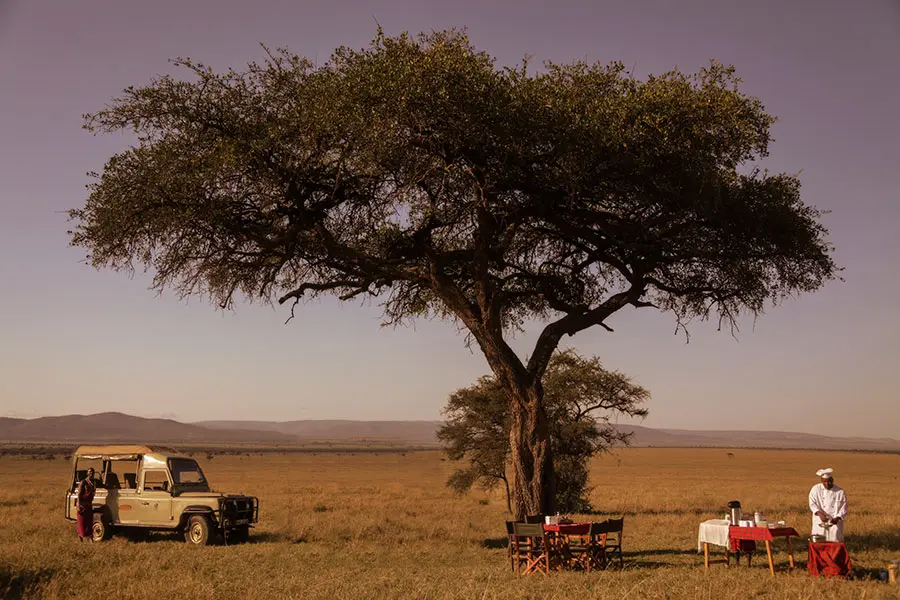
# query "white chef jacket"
(833, 503)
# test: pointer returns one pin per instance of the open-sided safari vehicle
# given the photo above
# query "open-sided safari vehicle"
(153, 487)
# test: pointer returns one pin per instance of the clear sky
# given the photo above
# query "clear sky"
(73, 339)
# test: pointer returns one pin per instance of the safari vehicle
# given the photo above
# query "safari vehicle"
(157, 488)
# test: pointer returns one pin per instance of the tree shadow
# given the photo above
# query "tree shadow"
(21, 584)
(660, 552)
(641, 564)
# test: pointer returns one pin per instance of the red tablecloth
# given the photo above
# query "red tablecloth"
(829, 559)
(743, 539)
(569, 528)
(760, 533)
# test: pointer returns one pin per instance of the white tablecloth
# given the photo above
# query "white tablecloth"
(714, 531)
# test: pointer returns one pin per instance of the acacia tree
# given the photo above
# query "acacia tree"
(579, 398)
(418, 172)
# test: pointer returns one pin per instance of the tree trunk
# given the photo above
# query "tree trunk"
(508, 496)
(534, 481)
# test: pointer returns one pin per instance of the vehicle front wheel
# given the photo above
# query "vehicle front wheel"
(101, 530)
(199, 531)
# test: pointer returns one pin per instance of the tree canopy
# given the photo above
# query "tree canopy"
(580, 397)
(417, 172)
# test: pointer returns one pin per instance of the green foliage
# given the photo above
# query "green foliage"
(417, 171)
(579, 396)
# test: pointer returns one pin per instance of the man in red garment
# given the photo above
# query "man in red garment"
(84, 505)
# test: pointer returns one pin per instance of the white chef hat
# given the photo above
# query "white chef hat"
(828, 473)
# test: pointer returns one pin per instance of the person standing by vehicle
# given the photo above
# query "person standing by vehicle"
(84, 505)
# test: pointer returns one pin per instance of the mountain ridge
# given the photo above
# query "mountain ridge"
(120, 427)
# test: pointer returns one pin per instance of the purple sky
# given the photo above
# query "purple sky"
(76, 340)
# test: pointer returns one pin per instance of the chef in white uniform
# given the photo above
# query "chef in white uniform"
(828, 504)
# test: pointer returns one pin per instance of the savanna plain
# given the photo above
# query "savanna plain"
(384, 525)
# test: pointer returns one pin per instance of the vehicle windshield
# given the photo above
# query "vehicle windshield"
(186, 472)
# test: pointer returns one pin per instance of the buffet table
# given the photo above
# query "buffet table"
(719, 532)
(767, 535)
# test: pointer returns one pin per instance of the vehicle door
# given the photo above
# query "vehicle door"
(121, 484)
(153, 501)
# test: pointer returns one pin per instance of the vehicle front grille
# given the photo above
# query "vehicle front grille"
(240, 508)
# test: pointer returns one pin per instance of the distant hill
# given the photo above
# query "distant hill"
(118, 427)
(414, 432)
(645, 436)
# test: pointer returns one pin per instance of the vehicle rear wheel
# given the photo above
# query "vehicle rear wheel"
(101, 530)
(198, 531)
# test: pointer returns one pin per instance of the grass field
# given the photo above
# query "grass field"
(345, 525)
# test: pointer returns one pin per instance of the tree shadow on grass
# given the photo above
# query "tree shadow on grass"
(660, 552)
(22, 583)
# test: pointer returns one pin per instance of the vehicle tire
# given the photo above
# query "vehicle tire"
(239, 535)
(199, 531)
(101, 529)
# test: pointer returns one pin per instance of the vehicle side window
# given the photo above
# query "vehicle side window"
(156, 480)
(125, 473)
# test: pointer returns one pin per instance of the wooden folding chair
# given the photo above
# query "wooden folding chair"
(534, 518)
(510, 534)
(533, 549)
(612, 527)
(587, 551)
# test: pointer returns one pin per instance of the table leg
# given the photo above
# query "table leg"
(771, 562)
(790, 551)
(706, 555)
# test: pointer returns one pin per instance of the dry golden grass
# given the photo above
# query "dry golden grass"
(385, 526)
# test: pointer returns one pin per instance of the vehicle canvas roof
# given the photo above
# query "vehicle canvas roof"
(121, 452)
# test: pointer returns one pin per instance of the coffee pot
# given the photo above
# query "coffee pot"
(735, 513)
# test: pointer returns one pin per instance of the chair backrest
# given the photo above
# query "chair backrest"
(509, 528)
(599, 528)
(608, 526)
(528, 529)
(616, 525)
(534, 518)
